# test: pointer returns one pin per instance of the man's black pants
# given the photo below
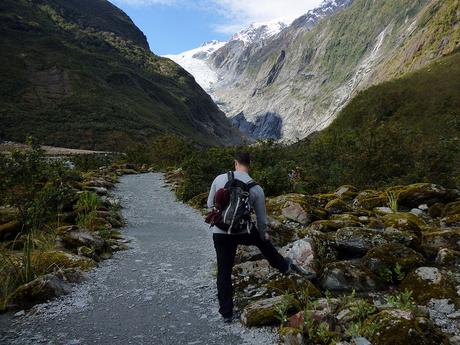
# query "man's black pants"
(226, 246)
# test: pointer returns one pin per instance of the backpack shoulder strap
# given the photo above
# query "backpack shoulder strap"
(252, 184)
(230, 176)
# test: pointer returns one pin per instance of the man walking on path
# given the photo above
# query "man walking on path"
(226, 243)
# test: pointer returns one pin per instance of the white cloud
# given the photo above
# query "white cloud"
(243, 12)
(237, 14)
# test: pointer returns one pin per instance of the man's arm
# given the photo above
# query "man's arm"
(261, 212)
(212, 193)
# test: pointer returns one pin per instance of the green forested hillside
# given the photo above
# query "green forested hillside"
(403, 131)
(79, 74)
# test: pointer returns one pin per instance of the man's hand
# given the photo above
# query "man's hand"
(267, 237)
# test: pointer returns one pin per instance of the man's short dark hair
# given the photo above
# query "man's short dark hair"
(243, 158)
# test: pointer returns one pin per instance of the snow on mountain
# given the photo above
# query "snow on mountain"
(261, 31)
(194, 61)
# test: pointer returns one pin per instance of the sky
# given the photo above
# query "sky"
(174, 26)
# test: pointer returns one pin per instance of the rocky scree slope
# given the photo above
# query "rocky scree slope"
(80, 74)
(383, 275)
(294, 83)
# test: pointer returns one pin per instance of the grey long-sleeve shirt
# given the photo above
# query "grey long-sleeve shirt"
(256, 200)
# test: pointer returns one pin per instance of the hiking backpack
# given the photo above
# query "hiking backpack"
(236, 214)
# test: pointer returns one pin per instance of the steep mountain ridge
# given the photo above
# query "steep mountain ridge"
(294, 83)
(79, 74)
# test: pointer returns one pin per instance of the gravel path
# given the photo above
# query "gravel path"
(162, 291)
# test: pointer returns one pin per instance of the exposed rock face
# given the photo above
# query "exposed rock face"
(310, 70)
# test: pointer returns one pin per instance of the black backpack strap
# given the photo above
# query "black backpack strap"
(252, 184)
(230, 176)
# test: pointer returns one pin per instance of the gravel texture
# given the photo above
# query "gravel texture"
(162, 291)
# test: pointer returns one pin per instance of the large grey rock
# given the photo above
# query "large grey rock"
(359, 240)
(348, 276)
(263, 312)
(45, 288)
(302, 253)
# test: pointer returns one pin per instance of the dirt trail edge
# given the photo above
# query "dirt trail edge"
(162, 291)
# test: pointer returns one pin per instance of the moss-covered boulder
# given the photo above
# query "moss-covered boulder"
(73, 237)
(263, 312)
(348, 276)
(448, 257)
(292, 284)
(337, 206)
(369, 199)
(393, 259)
(321, 200)
(282, 232)
(7, 214)
(451, 209)
(436, 210)
(330, 225)
(349, 217)
(438, 238)
(44, 288)
(295, 208)
(358, 240)
(247, 253)
(346, 192)
(428, 283)
(291, 336)
(49, 261)
(403, 221)
(423, 193)
(401, 327)
(10, 230)
(451, 221)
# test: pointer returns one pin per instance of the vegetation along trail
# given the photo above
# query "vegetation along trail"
(161, 291)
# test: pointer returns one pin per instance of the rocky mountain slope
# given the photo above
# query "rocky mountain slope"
(80, 74)
(294, 83)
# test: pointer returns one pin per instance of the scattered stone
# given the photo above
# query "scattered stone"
(295, 212)
(348, 276)
(73, 237)
(346, 192)
(436, 210)
(291, 336)
(302, 253)
(360, 240)
(331, 225)
(388, 256)
(337, 206)
(448, 257)
(370, 199)
(10, 230)
(400, 327)
(44, 288)
(263, 312)
(423, 193)
(427, 283)
(438, 238)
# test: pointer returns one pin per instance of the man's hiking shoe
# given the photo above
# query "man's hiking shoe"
(228, 319)
(293, 268)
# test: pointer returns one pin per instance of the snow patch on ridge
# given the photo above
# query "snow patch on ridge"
(194, 61)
